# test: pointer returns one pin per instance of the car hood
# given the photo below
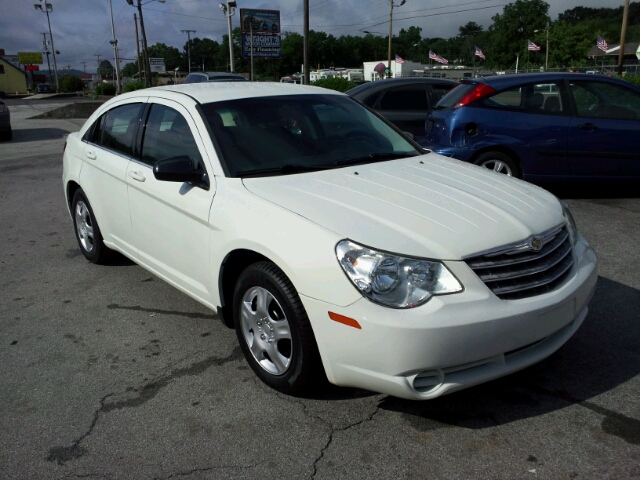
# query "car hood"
(427, 206)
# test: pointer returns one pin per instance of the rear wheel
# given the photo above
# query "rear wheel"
(8, 135)
(274, 331)
(499, 162)
(87, 230)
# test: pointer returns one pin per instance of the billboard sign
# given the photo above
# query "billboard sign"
(264, 46)
(259, 21)
(157, 65)
(31, 67)
(27, 58)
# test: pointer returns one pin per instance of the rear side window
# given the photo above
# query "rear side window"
(371, 100)
(409, 98)
(194, 78)
(452, 98)
(118, 129)
(541, 98)
(441, 90)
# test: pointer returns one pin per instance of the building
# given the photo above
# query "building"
(351, 74)
(12, 79)
(397, 69)
(610, 57)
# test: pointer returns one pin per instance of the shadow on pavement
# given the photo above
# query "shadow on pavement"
(37, 134)
(602, 355)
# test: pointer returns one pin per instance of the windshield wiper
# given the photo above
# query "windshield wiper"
(282, 169)
(373, 157)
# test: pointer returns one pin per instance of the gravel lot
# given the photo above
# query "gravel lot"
(108, 372)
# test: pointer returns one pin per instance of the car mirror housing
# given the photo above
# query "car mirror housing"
(180, 169)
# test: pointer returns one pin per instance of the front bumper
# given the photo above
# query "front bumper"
(453, 341)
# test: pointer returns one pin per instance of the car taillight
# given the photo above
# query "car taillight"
(479, 91)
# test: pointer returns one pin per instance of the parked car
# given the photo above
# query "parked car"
(541, 126)
(330, 242)
(5, 122)
(44, 88)
(403, 101)
(198, 77)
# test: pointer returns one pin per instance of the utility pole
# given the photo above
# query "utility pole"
(98, 69)
(623, 34)
(546, 61)
(114, 42)
(391, 5)
(84, 66)
(46, 51)
(135, 21)
(147, 62)
(189, 32)
(305, 46)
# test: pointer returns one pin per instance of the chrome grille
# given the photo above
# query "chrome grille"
(518, 271)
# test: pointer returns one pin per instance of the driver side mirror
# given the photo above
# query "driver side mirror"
(180, 169)
(409, 135)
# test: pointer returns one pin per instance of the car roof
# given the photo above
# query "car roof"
(370, 87)
(215, 75)
(505, 81)
(207, 92)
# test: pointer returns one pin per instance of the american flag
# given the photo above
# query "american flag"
(437, 58)
(602, 44)
(479, 53)
(399, 59)
(533, 47)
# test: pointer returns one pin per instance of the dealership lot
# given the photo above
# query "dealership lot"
(109, 372)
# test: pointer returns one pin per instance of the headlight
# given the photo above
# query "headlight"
(571, 223)
(393, 280)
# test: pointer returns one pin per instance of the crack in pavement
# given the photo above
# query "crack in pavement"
(206, 469)
(63, 454)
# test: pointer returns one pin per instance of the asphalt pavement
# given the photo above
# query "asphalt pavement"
(108, 372)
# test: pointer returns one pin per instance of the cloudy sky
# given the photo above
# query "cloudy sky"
(82, 28)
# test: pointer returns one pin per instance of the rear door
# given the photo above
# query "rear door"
(171, 219)
(604, 137)
(406, 106)
(107, 153)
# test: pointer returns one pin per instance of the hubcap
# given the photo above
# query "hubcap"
(498, 166)
(266, 330)
(84, 226)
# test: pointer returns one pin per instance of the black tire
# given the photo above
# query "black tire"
(6, 136)
(304, 371)
(88, 235)
(506, 164)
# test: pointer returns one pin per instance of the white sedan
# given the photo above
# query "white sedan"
(332, 243)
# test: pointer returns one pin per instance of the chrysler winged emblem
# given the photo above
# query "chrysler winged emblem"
(535, 243)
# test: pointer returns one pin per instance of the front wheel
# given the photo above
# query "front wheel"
(500, 163)
(274, 331)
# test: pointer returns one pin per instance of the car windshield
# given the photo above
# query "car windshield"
(294, 133)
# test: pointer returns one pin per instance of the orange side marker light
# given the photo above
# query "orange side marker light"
(344, 320)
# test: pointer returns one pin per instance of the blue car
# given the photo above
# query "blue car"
(541, 127)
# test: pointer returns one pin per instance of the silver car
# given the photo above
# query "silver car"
(5, 122)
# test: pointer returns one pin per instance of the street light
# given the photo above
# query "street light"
(144, 38)
(391, 5)
(546, 62)
(229, 10)
(49, 8)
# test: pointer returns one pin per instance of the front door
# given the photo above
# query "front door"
(604, 139)
(171, 219)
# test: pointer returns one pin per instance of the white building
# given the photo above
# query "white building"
(351, 74)
(397, 69)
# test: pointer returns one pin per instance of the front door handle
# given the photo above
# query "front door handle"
(137, 176)
(90, 154)
(587, 126)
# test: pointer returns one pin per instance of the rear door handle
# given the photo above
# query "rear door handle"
(91, 155)
(137, 176)
(587, 126)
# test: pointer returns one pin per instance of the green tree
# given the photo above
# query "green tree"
(171, 55)
(71, 83)
(130, 69)
(106, 69)
(511, 30)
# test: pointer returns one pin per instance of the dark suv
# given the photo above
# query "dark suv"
(197, 77)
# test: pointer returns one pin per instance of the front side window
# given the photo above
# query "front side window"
(167, 134)
(300, 132)
(605, 100)
(118, 128)
(410, 98)
(542, 98)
